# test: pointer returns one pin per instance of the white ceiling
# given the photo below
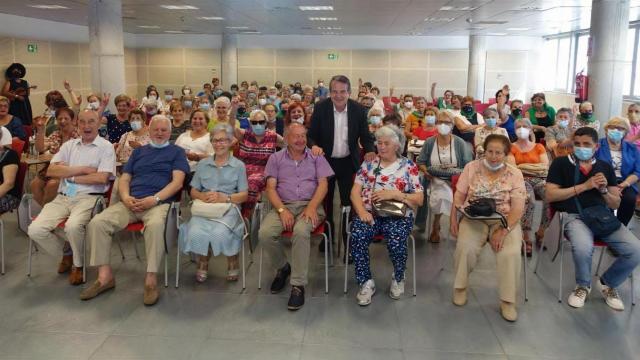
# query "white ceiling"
(356, 17)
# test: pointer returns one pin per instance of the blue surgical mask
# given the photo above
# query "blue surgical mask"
(136, 125)
(258, 129)
(430, 119)
(187, 103)
(159, 146)
(491, 122)
(563, 123)
(375, 120)
(583, 153)
(615, 135)
(205, 106)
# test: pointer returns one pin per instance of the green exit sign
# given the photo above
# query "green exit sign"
(332, 56)
(32, 48)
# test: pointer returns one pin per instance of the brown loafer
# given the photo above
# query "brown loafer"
(75, 276)
(96, 289)
(65, 264)
(508, 311)
(151, 295)
(460, 297)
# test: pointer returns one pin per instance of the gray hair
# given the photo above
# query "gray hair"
(564, 110)
(524, 121)
(224, 128)
(222, 99)
(160, 117)
(391, 132)
(488, 111)
(254, 113)
(375, 109)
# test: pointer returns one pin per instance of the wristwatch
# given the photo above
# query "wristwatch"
(228, 198)
(280, 210)
(157, 198)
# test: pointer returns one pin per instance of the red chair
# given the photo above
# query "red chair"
(28, 130)
(20, 175)
(480, 108)
(328, 252)
(558, 221)
(17, 145)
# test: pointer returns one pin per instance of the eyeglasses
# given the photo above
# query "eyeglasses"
(220, 141)
(259, 122)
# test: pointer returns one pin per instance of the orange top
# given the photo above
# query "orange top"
(530, 157)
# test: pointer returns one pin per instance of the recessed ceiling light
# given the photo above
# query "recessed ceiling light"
(48, 7)
(497, 34)
(179, 7)
(149, 26)
(323, 19)
(517, 29)
(174, 31)
(491, 22)
(331, 33)
(433, 19)
(249, 32)
(316, 8)
(459, 8)
(211, 18)
(329, 28)
(475, 28)
(237, 27)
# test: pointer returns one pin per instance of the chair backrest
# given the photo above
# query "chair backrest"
(454, 182)
(17, 145)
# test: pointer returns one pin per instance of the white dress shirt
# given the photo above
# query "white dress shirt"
(340, 133)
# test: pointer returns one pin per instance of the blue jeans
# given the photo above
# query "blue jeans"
(622, 242)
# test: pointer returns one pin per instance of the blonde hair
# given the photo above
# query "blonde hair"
(254, 113)
(619, 122)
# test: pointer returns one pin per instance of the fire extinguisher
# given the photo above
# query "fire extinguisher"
(582, 87)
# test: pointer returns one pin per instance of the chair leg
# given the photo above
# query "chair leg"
(599, 262)
(260, 269)
(166, 270)
(561, 271)
(178, 266)
(413, 264)
(327, 255)
(525, 265)
(2, 243)
(340, 222)
(346, 264)
(244, 282)
(120, 247)
(84, 260)
(135, 245)
(330, 238)
(539, 254)
(633, 290)
(29, 258)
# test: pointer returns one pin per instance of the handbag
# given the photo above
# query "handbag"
(388, 208)
(209, 210)
(481, 207)
(599, 219)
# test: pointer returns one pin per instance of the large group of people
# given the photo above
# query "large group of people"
(290, 145)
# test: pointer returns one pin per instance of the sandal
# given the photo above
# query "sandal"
(529, 249)
(232, 274)
(202, 272)
(539, 241)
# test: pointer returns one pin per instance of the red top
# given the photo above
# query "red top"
(423, 134)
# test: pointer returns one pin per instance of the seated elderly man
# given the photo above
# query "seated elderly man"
(84, 166)
(150, 180)
(586, 188)
(296, 186)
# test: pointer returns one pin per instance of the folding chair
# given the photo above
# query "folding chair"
(245, 236)
(377, 237)
(20, 176)
(558, 221)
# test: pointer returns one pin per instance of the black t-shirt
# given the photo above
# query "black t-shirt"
(10, 157)
(562, 172)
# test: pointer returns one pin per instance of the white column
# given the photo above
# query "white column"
(106, 46)
(609, 24)
(229, 60)
(477, 66)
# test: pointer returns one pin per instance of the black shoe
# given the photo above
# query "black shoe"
(281, 279)
(296, 300)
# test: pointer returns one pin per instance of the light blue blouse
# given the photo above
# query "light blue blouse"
(230, 178)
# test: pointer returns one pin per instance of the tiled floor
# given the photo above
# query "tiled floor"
(42, 318)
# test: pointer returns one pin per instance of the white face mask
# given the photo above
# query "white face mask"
(408, 104)
(93, 105)
(443, 129)
(523, 133)
(488, 165)
(299, 120)
(262, 101)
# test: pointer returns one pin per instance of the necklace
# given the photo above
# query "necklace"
(444, 148)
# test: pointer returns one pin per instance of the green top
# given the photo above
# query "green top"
(443, 105)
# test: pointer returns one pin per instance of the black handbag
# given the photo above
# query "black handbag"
(599, 219)
(481, 207)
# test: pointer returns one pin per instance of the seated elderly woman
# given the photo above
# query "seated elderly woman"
(197, 141)
(388, 178)
(441, 157)
(491, 119)
(179, 123)
(221, 108)
(416, 118)
(374, 118)
(256, 145)
(219, 179)
(468, 120)
(557, 136)
(428, 128)
(9, 191)
(490, 178)
(296, 113)
(118, 123)
(12, 123)
(541, 115)
(532, 160)
(137, 137)
(625, 159)
(584, 117)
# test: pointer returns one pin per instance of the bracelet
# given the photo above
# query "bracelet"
(574, 190)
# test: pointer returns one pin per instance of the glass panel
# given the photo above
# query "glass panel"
(562, 70)
(549, 61)
(581, 56)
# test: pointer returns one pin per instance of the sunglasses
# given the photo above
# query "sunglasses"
(259, 122)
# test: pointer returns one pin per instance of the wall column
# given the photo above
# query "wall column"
(106, 46)
(608, 36)
(477, 66)
(229, 64)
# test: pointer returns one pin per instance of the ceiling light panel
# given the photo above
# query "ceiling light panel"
(210, 18)
(458, 8)
(517, 29)
(323, 19)
(149, 26)
(48, 7)
(436, 19)
(329, 28)
(179, 7)
(316, 8)
(237, 27)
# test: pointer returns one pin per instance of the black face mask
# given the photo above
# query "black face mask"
(467, 108)
(241, 110)
(516, 112)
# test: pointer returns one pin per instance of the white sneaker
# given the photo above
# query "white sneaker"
(611, 297)
(397, 289)
(366, 292)
(578, 296)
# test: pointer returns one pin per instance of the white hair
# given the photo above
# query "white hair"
(160, 117)
(223, 128)
(222, 99)
(392, 133)
(296, 97)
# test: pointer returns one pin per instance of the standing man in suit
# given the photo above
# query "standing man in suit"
(338, 129)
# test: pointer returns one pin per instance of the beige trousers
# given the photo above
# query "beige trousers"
(77, 210)
(116, 218)
(472, 236)
(269, 234)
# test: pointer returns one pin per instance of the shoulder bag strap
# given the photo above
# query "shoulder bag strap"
(576, 177)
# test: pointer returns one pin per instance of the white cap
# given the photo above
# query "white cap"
(6, 138)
